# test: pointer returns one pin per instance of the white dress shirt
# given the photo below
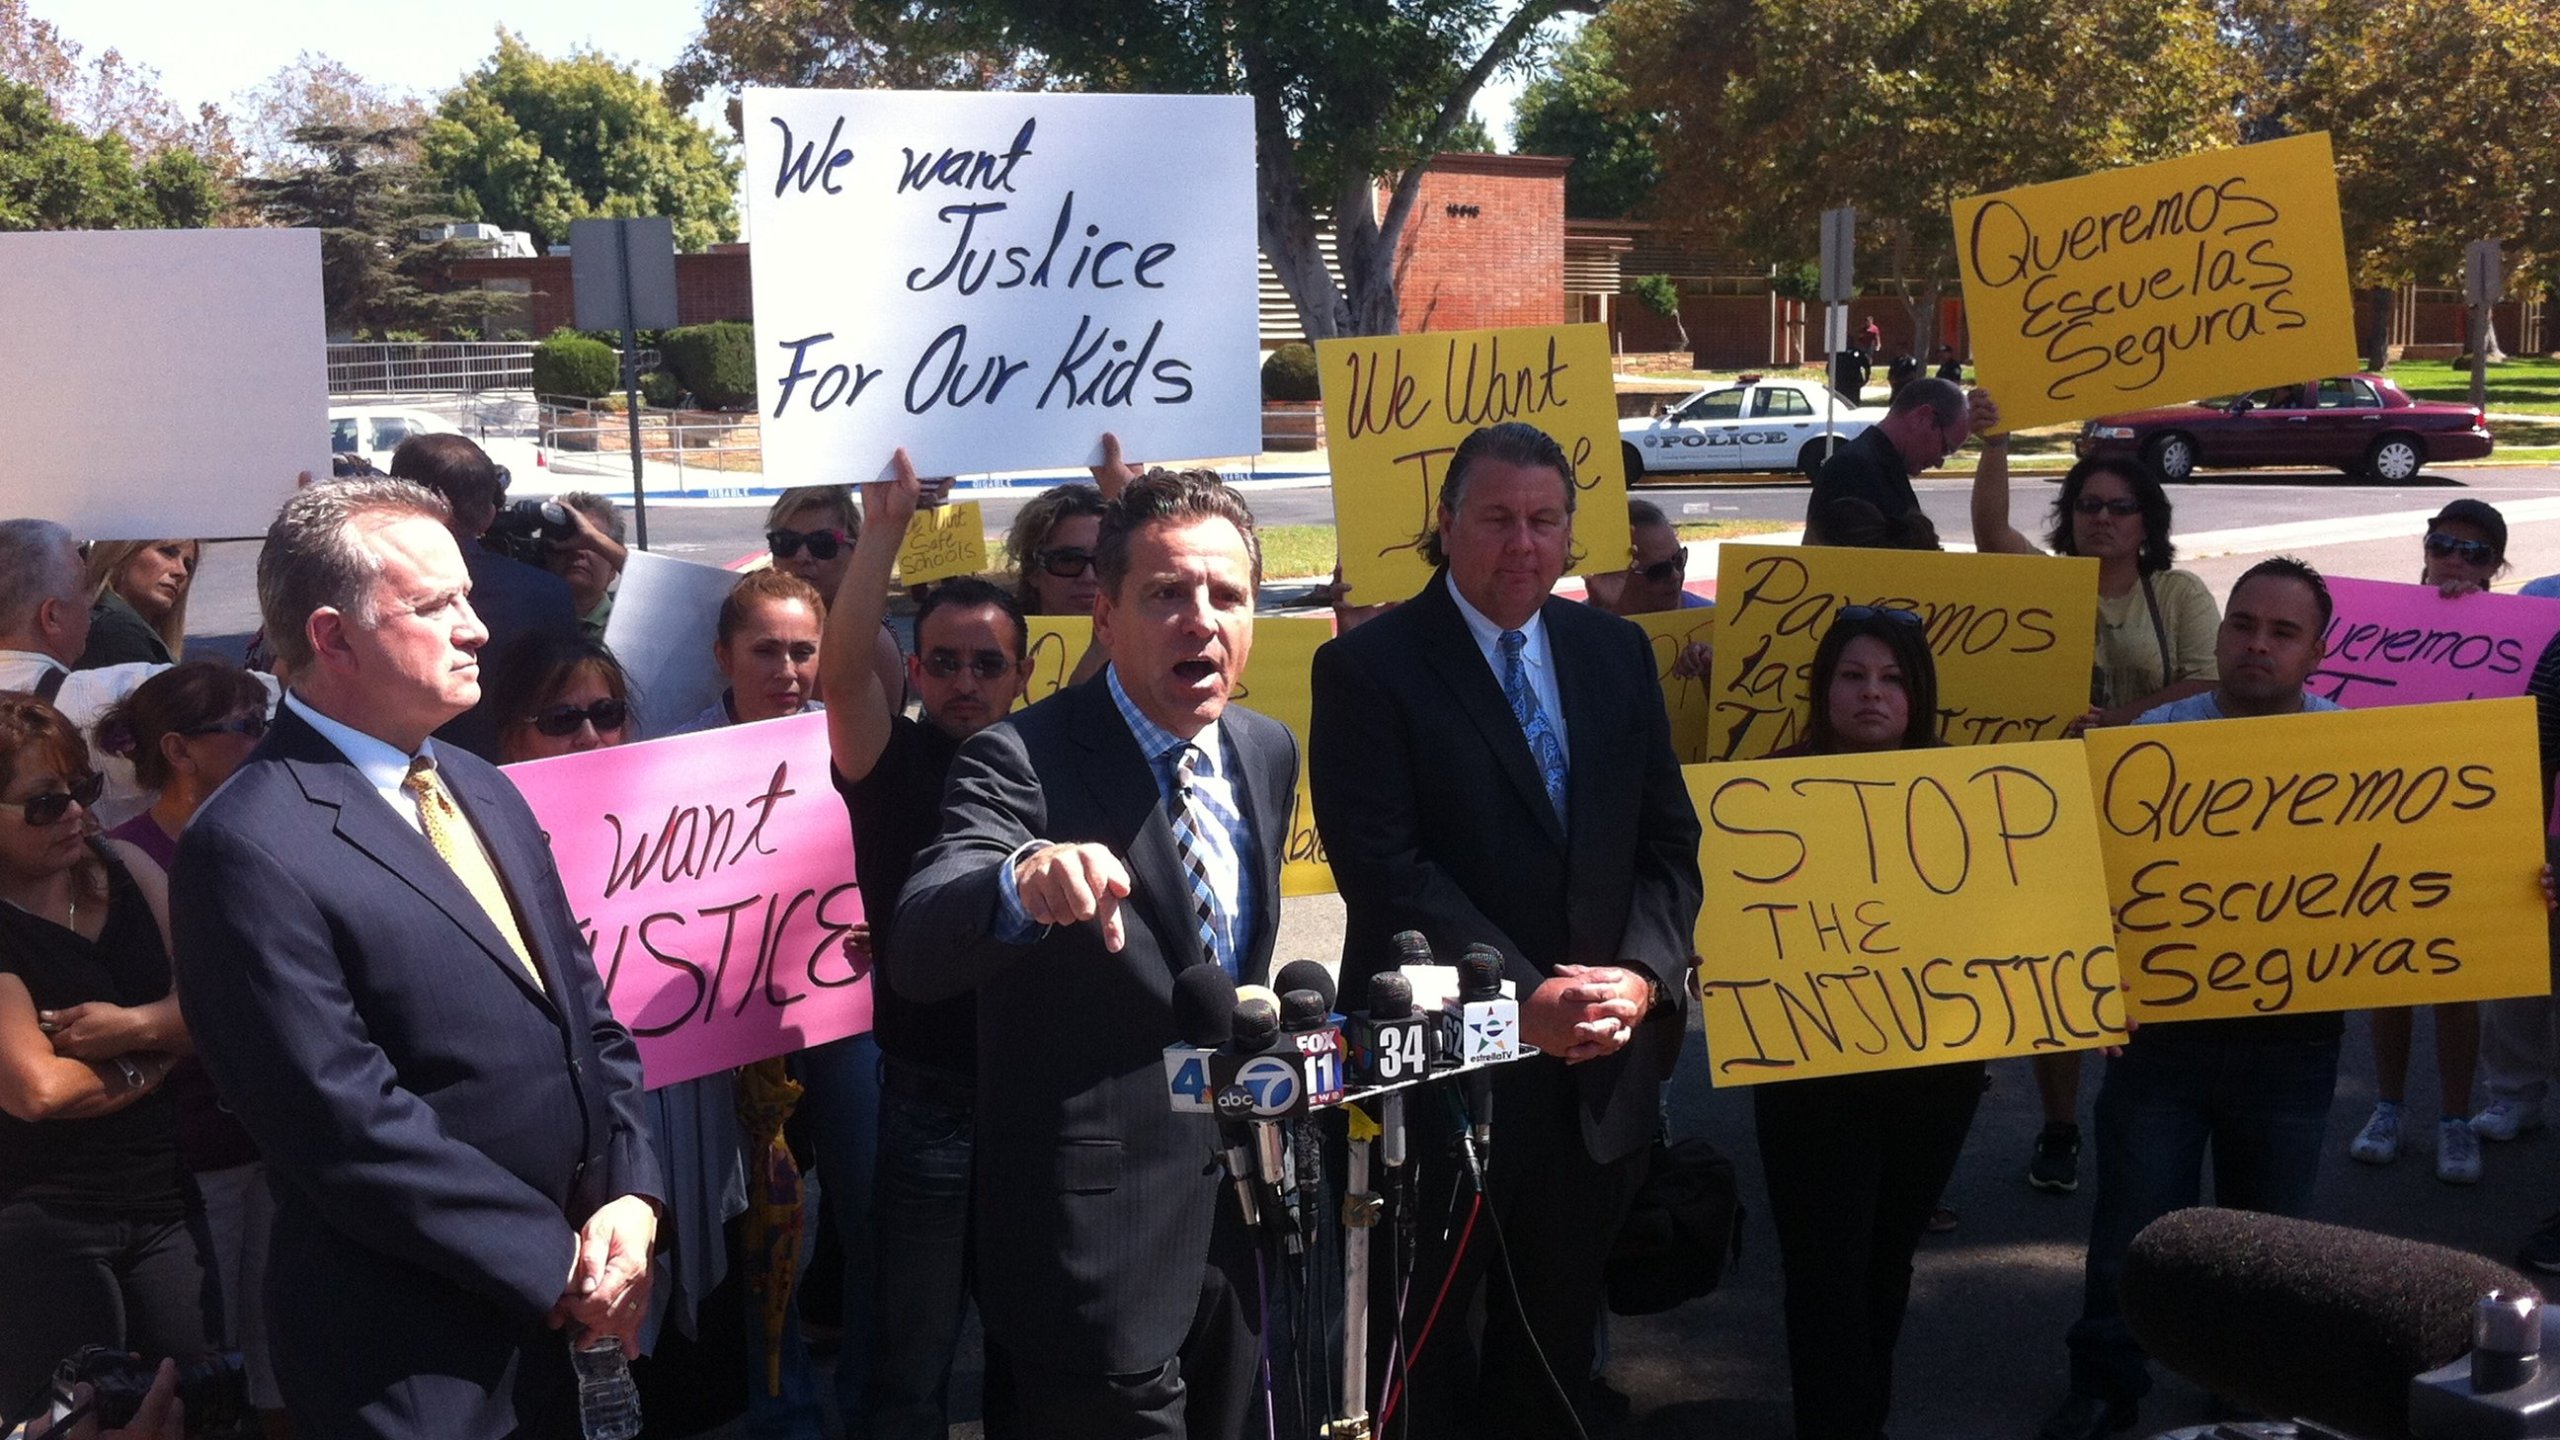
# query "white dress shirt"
(1535, 655)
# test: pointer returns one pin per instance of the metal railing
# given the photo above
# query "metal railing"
(687, 451)
(446, 367)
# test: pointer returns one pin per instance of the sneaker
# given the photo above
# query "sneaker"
(2457, 1153)
(2541, 1249)
(2378, 1143)
(2056, 1163)
(2086, 1417)
(2507, 1119)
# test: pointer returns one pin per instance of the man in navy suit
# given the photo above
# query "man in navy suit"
(512, 598)
(383, 976)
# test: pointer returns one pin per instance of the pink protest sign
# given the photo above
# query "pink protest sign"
(2395, 644)
(713, 874)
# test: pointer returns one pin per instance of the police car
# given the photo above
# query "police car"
(1753, 423)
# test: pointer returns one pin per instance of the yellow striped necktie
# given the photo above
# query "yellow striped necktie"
(449, 831)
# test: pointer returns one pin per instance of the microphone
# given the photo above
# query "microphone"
(1479, 1026)
(2291, 1317)
(1387, 1049)
(1307, 1016)
(1204, 1005)
(1306, 975)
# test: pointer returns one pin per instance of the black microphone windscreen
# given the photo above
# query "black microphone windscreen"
(1204, 1006)
(1306, 975)
(1480, 973)
(1390, 995)
(1302, 1010)
(1411, 947)
(1255, 1026)
(2294, 1318)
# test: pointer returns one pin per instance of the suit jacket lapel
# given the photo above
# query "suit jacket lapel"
(1580, 672)
(1123, 785)
(516, 864)
(1451, 650)
(1264, 810)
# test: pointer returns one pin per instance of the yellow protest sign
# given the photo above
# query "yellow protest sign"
(2190, 278)
(2336, 861)
(1275, 682)
(943, 541)
(1396, 406)
(1877, 912)
(1671, 632)
(2013, 635)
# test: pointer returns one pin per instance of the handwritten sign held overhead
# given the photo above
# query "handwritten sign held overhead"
(944, 541)
(713, 875)
(2013, 635)
(994, 280)
(1877, 912)
(1396, 406)
(1690, 698)
(2394, 644)
(2325, 862)
(2190, 278)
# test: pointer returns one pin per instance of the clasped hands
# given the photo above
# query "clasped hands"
(1582, 1012)
(608, 1287)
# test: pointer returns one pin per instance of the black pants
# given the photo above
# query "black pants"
(1854, 1164)
(72, 1277)
(1559, 1211)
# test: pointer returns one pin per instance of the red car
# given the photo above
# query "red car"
(2362, 424)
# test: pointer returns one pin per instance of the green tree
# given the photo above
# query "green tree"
(1579, 108)
(851, 44)
(531, 143)
(1661, 295)
(314, 89)
(1351, 97)
(52, 177)
(1776, 110)
(376, 275)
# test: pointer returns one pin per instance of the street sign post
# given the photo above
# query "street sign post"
(1839, 282)
(624, 272)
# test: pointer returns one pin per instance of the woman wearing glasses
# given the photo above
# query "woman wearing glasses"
(557, 696)
(2465, 548)
(2156, 629)
(810, 531)
(93, 1215)
(185, 730)
(1855, 1163)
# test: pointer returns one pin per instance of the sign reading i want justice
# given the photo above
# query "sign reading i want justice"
(993, 281)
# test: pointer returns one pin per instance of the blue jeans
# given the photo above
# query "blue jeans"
(2261, 1107)
(843, 1106)
(921, 1217)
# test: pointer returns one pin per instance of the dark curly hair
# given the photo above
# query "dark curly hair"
(2157, 551)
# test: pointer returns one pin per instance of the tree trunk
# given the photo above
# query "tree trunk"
(2377, 355)
(1286, 225)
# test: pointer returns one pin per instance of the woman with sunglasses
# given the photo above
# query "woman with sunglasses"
(1052, 542)
(2464, 549)
(137, 601)
(810, 531)
(1855, 1163)
(555, 695)
(2156, 633)
(185, 730)
(94, 1246)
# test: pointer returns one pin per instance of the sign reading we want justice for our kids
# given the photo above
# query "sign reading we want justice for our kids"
(1877, 912)
(994, 280)
(2338, 861)
(2193, 277)
(2013, 636)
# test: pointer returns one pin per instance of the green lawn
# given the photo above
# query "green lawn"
(2529, 386)
(1305, 552)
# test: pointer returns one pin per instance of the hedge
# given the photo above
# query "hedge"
(716, 362)
(575, 366)
(1289, 373)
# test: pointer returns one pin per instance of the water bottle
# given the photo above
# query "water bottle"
(608, 1405)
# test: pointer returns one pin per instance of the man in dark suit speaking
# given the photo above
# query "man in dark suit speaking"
(382, 974)
(1493, 766)
(1093, 846)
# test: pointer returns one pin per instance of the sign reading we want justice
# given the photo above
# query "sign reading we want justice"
(993, 281)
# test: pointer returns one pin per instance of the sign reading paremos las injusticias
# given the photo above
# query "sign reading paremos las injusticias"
(994, 281)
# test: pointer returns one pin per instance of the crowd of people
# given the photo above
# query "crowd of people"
(303, 1057)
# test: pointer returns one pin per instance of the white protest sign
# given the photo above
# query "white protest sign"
(994, 280)
(161, 383)
(665, 615)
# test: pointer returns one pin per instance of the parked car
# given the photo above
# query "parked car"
(372, 432)
(1753, 423)
(2362, 424)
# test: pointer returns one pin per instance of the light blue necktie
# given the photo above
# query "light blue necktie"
(1195, 866)
(1543, 745)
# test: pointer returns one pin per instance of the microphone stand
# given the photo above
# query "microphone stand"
(1362, 1208)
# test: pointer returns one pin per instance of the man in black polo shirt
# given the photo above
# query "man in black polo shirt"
(968, 671)
(1863, 495)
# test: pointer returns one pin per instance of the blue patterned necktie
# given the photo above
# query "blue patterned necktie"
(1195, 865)
(1543, 745)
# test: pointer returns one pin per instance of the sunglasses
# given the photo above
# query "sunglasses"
(985, 664)
(2092, 505)
(253, 727)
(823, 544)
(2473, 551)
(1860, 614)
(1066, 564)
(54, 804)
(561, 721)
(1663, 572)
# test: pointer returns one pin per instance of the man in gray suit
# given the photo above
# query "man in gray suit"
(1093, 846)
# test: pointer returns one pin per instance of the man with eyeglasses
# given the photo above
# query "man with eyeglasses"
(967, 671)
(1862, 495)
